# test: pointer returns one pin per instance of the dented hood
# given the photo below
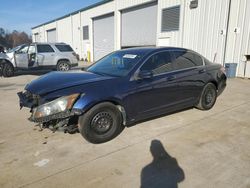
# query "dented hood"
(60, 80)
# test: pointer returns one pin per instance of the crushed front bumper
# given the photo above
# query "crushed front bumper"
(58, 116)
(31, 101)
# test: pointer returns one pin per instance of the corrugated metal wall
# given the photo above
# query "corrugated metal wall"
(238, 44)
(64, 30)
(203, 29)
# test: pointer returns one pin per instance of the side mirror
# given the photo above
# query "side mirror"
(145, 74)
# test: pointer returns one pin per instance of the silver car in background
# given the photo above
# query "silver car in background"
(37, 56)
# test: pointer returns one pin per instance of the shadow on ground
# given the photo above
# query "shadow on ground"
(163, 171)
(32, 72)
(42, 72)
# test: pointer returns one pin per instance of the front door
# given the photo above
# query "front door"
(32, 57)
(45, 55)
(155, 94)
(22, 57)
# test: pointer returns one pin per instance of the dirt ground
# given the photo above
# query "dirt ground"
(191, 148)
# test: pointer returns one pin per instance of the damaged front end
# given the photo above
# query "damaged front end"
(56, 114)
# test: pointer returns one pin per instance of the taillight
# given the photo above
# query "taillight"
(76, 55)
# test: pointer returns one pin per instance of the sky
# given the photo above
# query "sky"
(22, 15)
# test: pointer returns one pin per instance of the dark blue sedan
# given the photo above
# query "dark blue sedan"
(123, 88)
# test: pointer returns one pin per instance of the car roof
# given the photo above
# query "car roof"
(51, 43)
(150, 49)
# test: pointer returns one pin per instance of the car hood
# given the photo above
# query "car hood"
(10, 54)
(3, 56)
(60, 80)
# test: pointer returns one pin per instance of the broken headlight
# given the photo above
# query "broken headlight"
(59, 105)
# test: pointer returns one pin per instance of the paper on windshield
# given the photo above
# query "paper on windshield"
(130, 56)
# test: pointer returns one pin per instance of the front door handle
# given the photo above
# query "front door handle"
(170, 78)
(202, 71)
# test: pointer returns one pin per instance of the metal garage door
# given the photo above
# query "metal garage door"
(103, 35)
(139, 25)
(51, 35)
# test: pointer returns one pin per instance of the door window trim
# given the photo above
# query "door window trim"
(34, 47)
(192, 52)
(134, 76)
(44, 45)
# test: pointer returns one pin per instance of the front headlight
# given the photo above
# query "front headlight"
(56, 106)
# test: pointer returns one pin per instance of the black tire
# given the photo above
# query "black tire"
(8, 70)
(208, 97)
(101, 123)
(63, 65)
(1, 68)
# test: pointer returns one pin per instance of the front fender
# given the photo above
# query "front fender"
(85, 102)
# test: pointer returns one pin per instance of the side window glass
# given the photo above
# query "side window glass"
(207, 62)
(158, 63)
(44, 48)
(198, 60)
(32, 49)
(184, 59)
(23, 50)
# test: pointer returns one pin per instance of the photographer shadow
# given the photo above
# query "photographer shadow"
(163, 171)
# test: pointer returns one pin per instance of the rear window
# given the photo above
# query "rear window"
(64, 48)
(44, 48)
(185, 59)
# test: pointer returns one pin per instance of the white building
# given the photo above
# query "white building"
(218, 29)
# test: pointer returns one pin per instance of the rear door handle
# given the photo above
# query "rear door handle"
(202, 71)
(170, 78)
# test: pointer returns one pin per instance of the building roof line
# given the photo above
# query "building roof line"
(75, 12)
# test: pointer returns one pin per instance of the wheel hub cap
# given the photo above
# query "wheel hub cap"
(102, 122)
(209, 97)
(64, 67)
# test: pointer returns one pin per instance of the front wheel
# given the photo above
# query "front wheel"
(101, 123)
(208, 97)
(8, 70)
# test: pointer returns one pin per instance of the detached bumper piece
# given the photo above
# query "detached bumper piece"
(26, 99)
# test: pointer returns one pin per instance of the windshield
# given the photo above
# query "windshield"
(14, 49)
(118, 63)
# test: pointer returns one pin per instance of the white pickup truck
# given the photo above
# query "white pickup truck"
(34, 56)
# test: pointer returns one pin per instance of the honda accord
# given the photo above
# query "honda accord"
(122, 88)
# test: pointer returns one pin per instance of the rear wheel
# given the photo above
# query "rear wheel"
(8, 70)
(101, 123)
(1, 68)
(63, 65)
(208, 97)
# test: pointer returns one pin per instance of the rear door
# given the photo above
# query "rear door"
(32, 56)
(45, 55)
(190, 75)
(21, 57)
